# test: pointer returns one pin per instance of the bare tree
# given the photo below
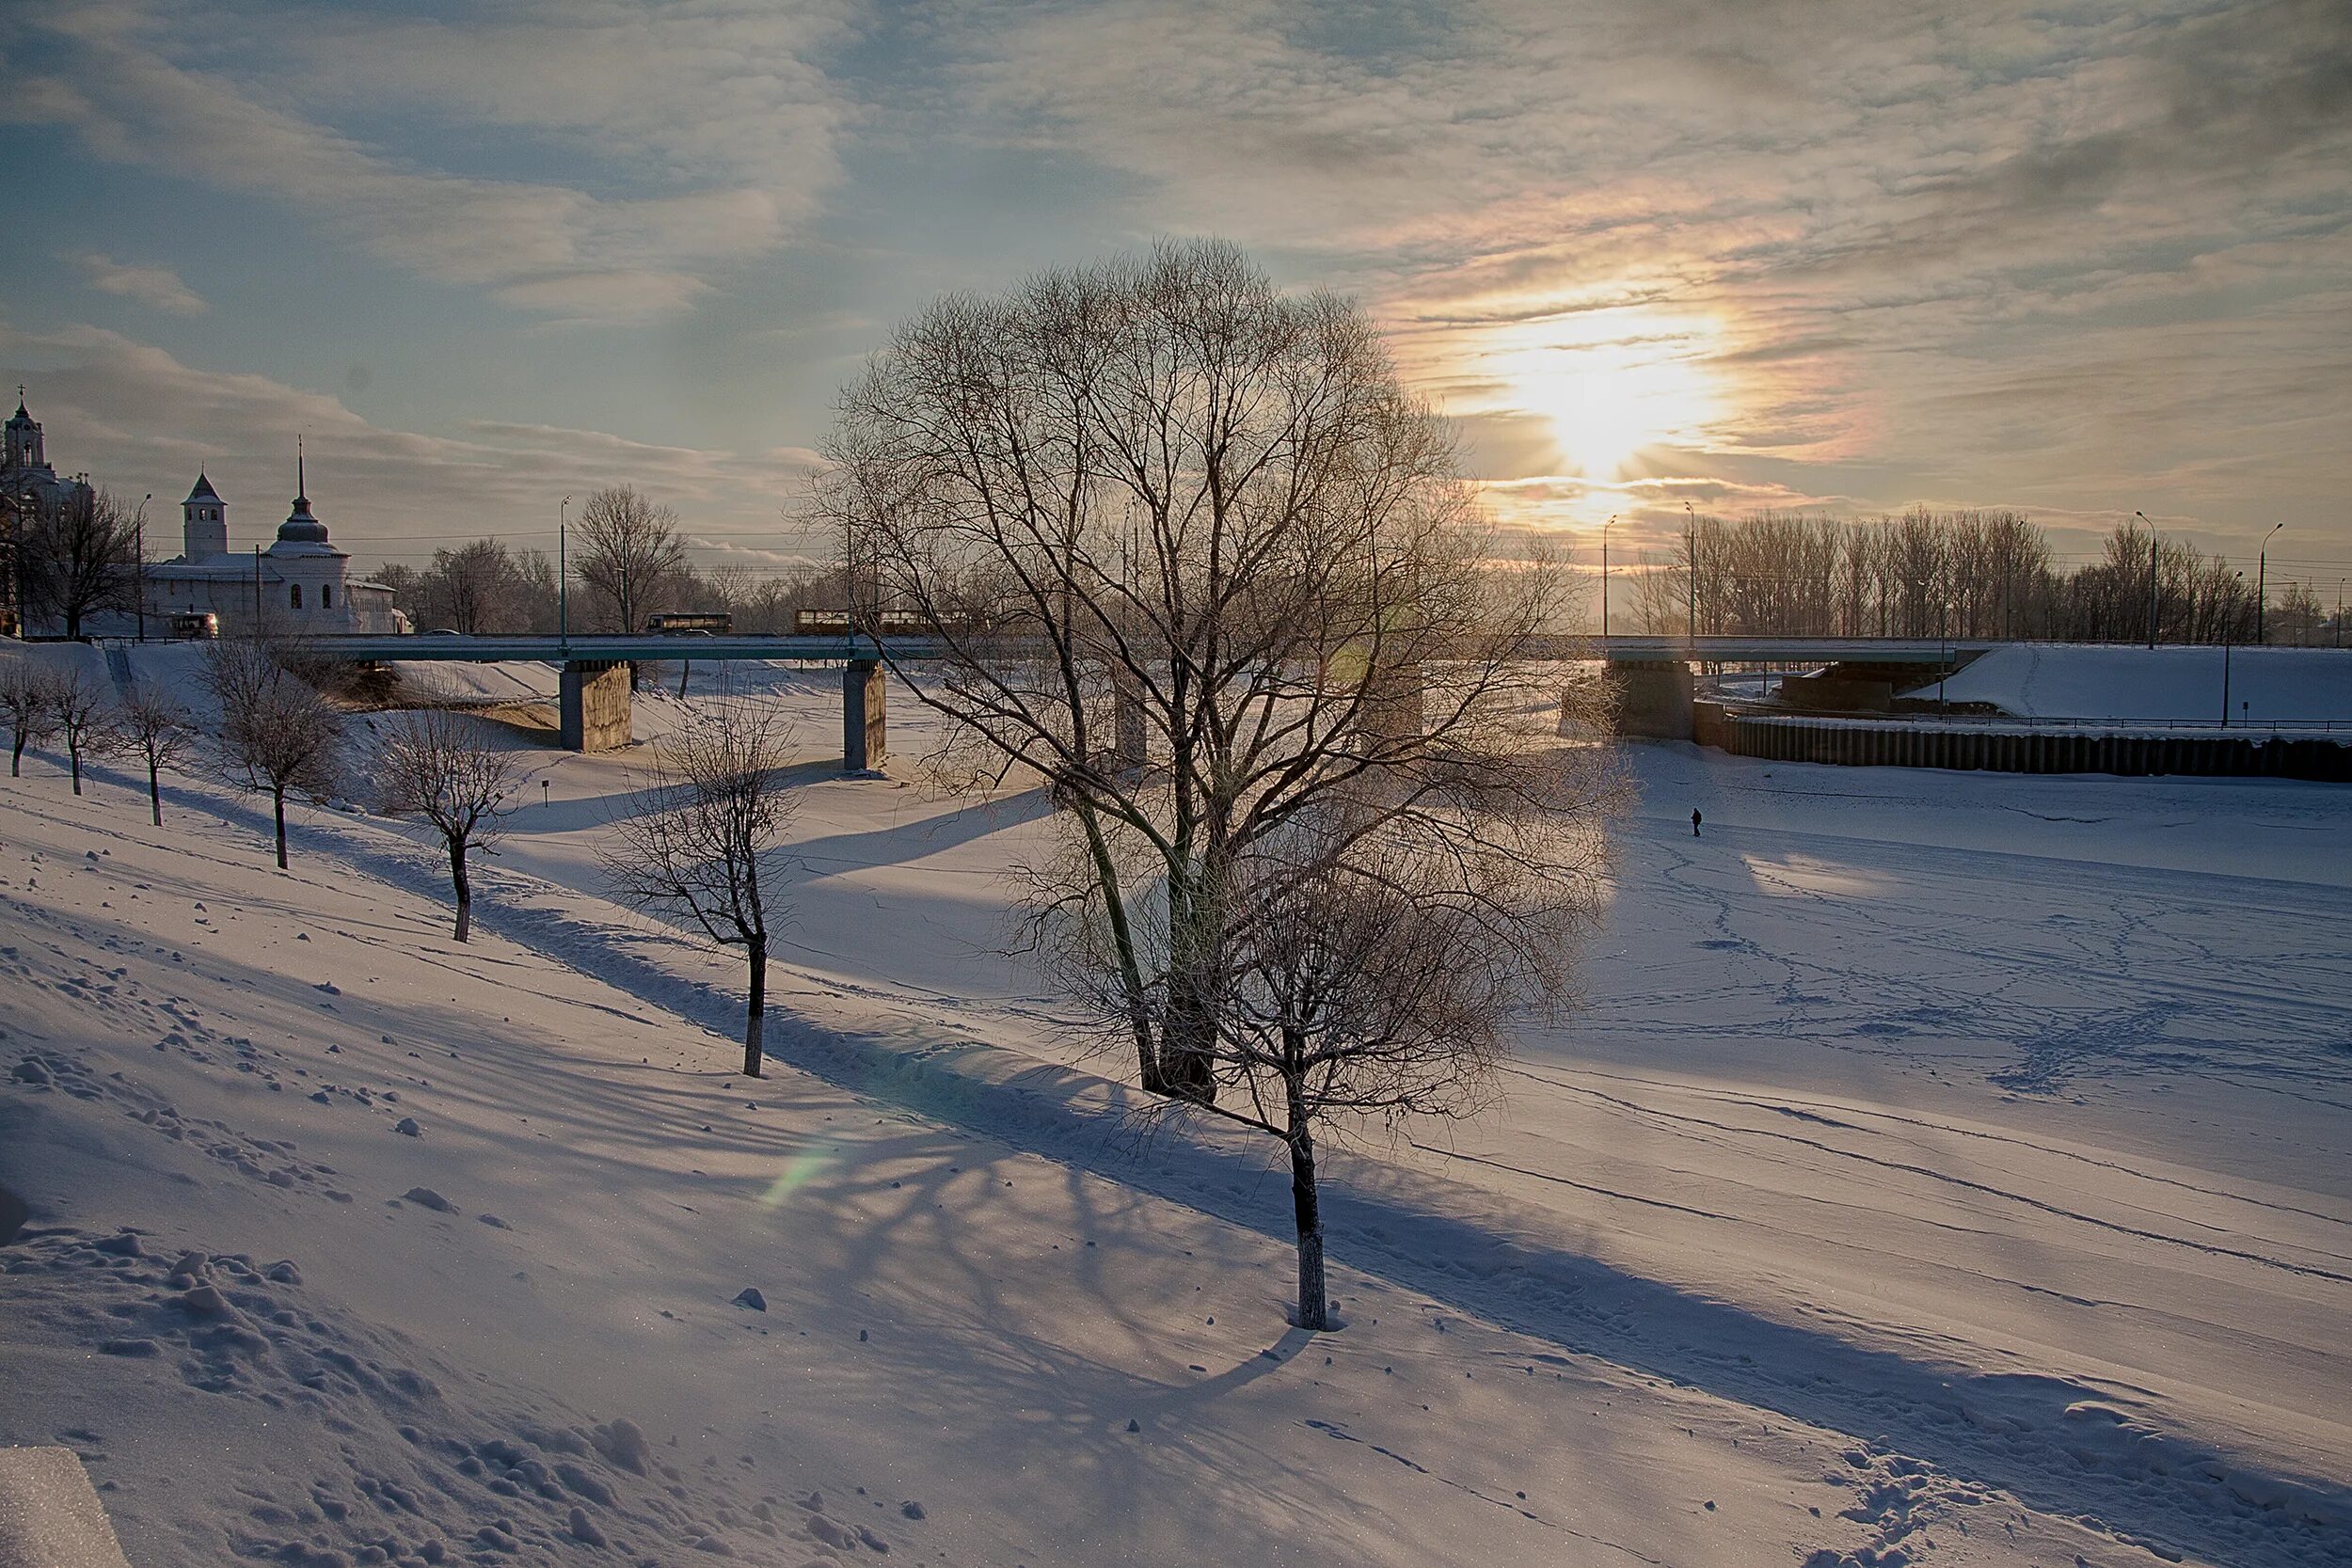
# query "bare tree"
(628, 551)
(28, 698)
(276, 732)
(160, 732)
(1371, 976)
(447, 768)
(81, 555)
(713, 807)
(1194, 556)
(85, 716)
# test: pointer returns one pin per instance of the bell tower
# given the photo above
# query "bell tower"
(204, 522)
(23, 439)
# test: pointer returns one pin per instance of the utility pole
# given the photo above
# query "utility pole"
(2262, 590)
(1604, 574)
(2151, 578)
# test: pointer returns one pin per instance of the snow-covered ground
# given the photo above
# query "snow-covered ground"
(1945, 1165)
(2168, 684)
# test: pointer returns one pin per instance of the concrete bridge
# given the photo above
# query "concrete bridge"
(1653, 672)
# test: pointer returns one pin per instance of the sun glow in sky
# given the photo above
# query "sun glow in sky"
(2082, 260)
(1613, 382)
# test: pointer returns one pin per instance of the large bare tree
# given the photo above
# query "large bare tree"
(276, 732)
(1194, 556)
(29, 701)
(81, 555)
(448, 769)
(157, 728)
(712, 808)
(629, 551)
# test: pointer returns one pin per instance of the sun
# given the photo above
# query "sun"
(1614, 383)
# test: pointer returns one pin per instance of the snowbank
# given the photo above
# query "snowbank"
(2277, 685)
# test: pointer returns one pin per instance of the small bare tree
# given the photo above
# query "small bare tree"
(446, 768)
(628, 551)
(159, 730)
(276, 732)
(1371, 972)
(85, 716)
(715, 806)
(28, 698)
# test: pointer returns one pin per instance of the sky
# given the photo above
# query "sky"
(2081, 260)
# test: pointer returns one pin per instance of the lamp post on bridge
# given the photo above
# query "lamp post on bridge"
(563, 576)
(2262, 590)
(1943, 657)
(2151, 578)
(2240, 579)
(1604, 574)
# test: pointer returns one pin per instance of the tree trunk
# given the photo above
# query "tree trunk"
(755, 1011)
(154, 795)
(465, 889)
(277, 800)
(16, 759)
(1313, 1307)
(1188, 1038)
(74, 755)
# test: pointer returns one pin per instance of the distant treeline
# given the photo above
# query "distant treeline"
(627, 560)
(1959, 574)
(1924, 574)
(484, 587)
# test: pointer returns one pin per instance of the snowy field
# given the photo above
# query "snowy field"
(1947, 1168)
(2087, 681)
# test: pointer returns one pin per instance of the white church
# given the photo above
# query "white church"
(301, 582)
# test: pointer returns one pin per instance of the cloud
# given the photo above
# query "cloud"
(1938, 250)
(711, 135)
(141, 420)
(157, 288)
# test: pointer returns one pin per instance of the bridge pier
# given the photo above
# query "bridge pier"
(1130, 739)
(865, 728)
(1654, 699)
(591, 705)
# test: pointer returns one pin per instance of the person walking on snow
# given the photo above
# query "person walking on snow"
(1695, 821)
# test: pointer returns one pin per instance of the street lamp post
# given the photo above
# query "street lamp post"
(2262, 590)
(1691, 531)
(1604, 573)
(1943, 657)
(138, 561)
(563, 576)
(2151, 578)
(2239, 576)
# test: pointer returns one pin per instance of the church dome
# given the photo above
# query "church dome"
(300, 527)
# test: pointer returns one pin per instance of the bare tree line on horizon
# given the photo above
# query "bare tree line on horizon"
(1968, 573)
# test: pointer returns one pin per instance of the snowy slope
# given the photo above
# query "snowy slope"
(1863, 1206)
(2157, 684)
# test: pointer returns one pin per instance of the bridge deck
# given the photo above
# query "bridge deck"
(435, 648)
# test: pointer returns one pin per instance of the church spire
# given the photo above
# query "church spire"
(302, 490)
